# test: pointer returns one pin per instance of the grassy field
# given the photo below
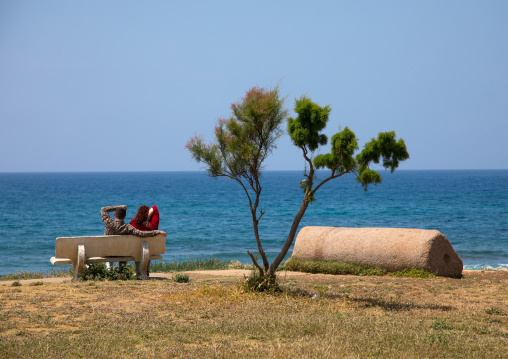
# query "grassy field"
(317, 316)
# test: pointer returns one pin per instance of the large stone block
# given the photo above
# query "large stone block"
(392, 248)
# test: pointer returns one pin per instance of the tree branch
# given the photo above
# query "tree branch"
(261, 212)
(328, 179)
(261, 271)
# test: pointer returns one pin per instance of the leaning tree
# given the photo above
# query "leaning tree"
(244, 141)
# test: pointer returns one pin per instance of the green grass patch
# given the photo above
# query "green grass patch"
(55, 273)
(441, 325)
(194, 264)
(493, 311)
(331, 267)
(413, 273)
(340, 267)
(155, 266)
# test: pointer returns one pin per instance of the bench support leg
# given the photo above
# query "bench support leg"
(142, 265)
(80, 263)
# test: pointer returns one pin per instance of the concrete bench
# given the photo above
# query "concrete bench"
(81, 250)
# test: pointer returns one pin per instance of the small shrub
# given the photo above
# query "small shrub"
(493, 310)
(257, 283)
(440, 324)
(99, 272)
(413, 273)
(16, 284)
(36, 284)
(181, 278)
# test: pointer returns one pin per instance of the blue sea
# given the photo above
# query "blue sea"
(206, 217)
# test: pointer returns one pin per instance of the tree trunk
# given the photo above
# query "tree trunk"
(289, 240)
(258, 241)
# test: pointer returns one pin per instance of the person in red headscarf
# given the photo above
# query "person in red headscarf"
(146, 220)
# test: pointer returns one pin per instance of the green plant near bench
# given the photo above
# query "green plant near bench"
(99, 271)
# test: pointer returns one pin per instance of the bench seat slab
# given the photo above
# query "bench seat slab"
(60, 261)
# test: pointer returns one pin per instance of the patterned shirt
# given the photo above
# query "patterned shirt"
(117, 226)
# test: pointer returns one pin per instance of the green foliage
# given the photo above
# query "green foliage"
(304, 129)
(340, 159)
(258, 283)
(305, 133)
(16, 284)
(331, 267)
(385, 146)
(340, 267)
(37, 275)
(194, 264)
(243, 141)
(413, 273)
(181, 278)
(367, 176)
(99, 271)
(493, 311)
(441, 325)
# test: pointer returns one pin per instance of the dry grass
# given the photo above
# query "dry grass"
(319, 316)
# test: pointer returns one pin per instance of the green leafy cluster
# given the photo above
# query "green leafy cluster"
(181, 278)
(341, 157)
(99, 272)
(304, 129)
(385, 146)
(244, 140)
(305, 132)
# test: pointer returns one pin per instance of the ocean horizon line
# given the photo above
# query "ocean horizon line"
(268, 170)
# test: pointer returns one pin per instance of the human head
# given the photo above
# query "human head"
(142, 215)
(120, 213)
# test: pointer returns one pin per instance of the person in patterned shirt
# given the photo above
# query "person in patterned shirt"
(117, 225)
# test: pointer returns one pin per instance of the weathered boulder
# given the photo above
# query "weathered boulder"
(391, 248)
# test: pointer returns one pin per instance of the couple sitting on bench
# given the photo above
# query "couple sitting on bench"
(144, 224)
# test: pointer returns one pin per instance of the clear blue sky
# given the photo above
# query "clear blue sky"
(122, 85)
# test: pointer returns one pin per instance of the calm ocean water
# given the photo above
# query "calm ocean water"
(205, 217)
